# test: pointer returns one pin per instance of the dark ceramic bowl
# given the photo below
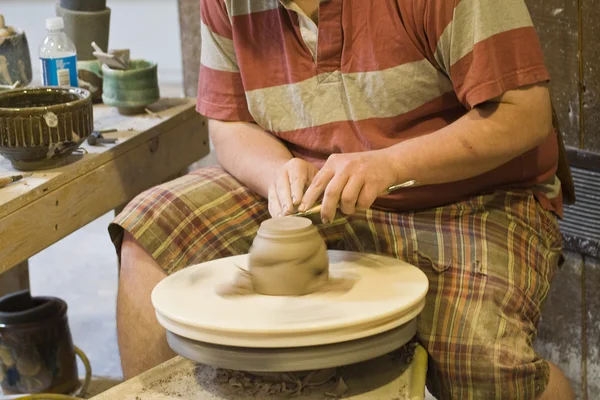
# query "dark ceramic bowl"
(40, 127)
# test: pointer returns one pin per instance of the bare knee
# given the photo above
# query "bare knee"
(133, 253)
(142, 341)
(558, 387)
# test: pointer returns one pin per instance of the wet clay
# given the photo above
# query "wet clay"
(288, 257)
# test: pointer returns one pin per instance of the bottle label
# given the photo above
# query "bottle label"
(59, 71)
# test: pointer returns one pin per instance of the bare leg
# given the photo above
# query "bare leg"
(558, 387)
(142, 341)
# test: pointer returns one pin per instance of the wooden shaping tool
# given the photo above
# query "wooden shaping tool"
(4, 181)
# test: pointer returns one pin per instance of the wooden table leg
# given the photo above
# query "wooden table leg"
(15, 279)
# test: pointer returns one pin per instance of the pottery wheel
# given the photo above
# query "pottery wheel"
(293, 358)
(381, 294)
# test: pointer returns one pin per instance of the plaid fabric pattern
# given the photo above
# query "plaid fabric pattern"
(489, 260)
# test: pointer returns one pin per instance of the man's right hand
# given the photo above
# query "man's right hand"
(291, 180)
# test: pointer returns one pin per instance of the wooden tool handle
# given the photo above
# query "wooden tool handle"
(6, 181)
(10, 179)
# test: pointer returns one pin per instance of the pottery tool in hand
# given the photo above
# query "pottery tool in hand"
(317, 207)
(4, 181)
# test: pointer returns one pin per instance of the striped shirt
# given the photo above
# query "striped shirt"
(371, 74)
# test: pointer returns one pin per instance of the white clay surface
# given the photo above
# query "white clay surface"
(385, 293)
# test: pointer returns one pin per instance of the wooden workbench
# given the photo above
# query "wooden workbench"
(152, 148)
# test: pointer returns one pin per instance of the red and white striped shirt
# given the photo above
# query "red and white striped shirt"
(372, 74)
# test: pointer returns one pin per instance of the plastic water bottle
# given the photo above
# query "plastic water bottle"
(58, 56)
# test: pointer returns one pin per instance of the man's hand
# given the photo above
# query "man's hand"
(287, 191)
(352, 180)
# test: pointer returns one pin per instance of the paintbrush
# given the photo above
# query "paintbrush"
(11, 179)
(317, 207)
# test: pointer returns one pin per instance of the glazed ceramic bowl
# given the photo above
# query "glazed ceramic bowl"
(40, 127)
(132, 90)
(15, 62)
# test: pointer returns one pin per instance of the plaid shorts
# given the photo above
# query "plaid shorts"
(489, 261)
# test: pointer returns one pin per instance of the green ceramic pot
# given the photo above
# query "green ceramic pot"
(131, 91)
(15, 62)
(41, 127)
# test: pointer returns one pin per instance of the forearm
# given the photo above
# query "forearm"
(248, 153)
(482, 140)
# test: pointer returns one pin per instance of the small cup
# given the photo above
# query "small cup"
(288, 257)
(132, 90)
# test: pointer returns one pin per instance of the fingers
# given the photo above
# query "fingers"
(283, 191)
(298, 180)
(366, 198)
(350, 195)
(316, 188)
(274, 206)
(331, 197)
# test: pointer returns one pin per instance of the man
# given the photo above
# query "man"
(340, 99)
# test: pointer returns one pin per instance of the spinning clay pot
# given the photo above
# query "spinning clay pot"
(288, 258)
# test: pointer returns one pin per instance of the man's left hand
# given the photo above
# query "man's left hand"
(352, 180)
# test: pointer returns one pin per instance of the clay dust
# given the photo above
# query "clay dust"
(317, 384)
(385, 378)
(221, 384)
